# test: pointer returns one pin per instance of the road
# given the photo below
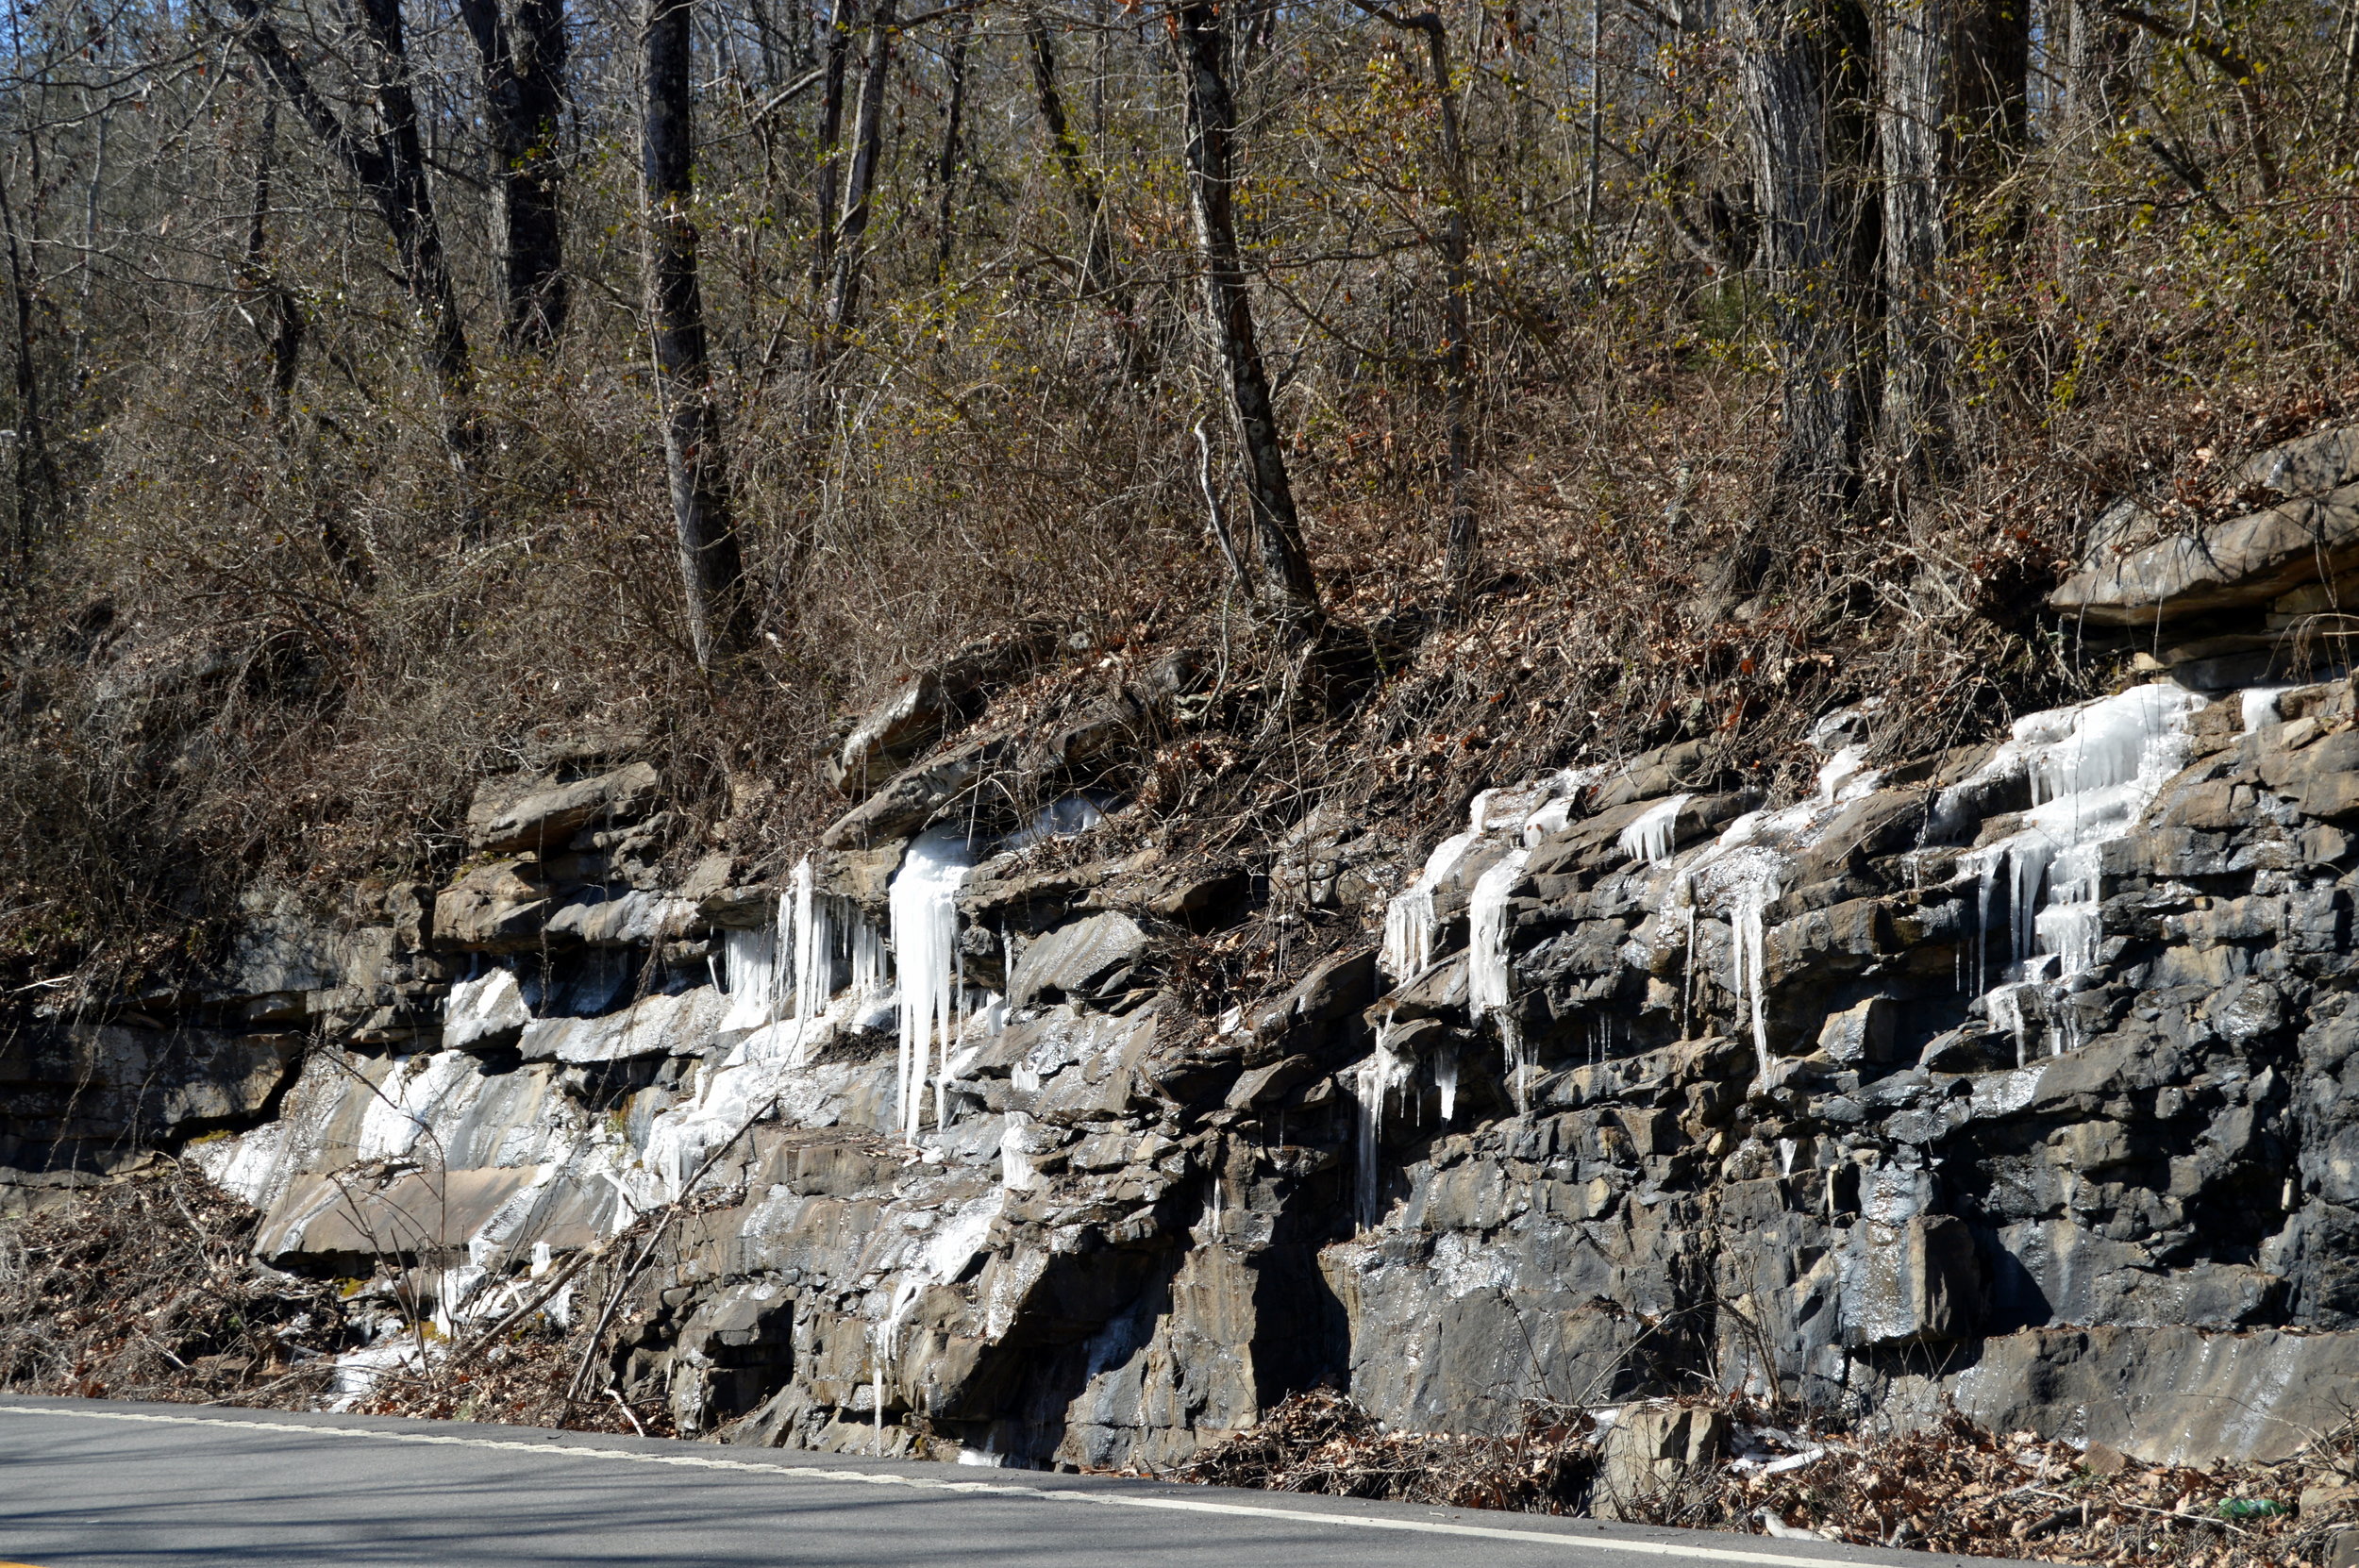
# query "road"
(98, 1484)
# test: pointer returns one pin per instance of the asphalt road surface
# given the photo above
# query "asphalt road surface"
(99, 1484)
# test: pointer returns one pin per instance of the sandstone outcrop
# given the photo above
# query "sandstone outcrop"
(2023, 1082)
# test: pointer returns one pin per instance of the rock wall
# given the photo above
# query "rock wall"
(2022, 1079)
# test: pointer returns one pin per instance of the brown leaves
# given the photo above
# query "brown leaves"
(1320, 1441)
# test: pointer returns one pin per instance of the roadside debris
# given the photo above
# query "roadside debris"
(1953, 1488)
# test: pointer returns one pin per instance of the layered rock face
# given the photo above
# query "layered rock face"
(2022, 1078)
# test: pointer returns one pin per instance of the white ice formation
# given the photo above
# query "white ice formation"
(1651, 834)
(1377, 1078)
(1408, 918)
(2092, 769)
(924, 901)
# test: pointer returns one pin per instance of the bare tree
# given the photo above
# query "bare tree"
(279, 325)
(1083, 187)
(711, 568)
(953, 126)
(1287, 592)
(844, 16)
(36, 472)
(1464, 547)
(522, 59)
(1952, 114)
(851, 228)
(1808, 133)
(389, 164)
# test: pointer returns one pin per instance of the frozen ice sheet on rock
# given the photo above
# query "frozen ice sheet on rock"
(2093, 769)
(481, 1009)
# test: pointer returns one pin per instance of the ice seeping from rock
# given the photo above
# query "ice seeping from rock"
(2092, 770)
(1408, 915)
(923, 902)
(1383, 1075)
(1648, 838)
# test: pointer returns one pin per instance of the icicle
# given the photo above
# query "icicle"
(1985, 886)
(1376, 1079)
(2028, 856)
(1488, 982)
(924, 904)
(1445, 1079)
(1747, 960)
(2093, 770)
(868, 957)
(1519, 1073)
(1650, 835)
(2006, 1012)
(1408, 916)
(1683, 895)
(750, 974)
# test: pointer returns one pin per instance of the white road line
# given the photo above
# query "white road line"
(1105, 1499)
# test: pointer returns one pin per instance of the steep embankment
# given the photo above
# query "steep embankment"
(2008, 1077)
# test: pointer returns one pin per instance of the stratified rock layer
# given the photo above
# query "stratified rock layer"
(1915, 1094)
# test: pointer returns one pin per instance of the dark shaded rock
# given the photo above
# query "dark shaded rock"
(911, 799)
(1911, 1284)
(1687, 765)
(927, 704)
(1075, 960)
(1272, 1082)
(1337, 986)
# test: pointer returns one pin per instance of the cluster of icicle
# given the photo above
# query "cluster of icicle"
(1529, 812)
(2093, 770)
(782, 984)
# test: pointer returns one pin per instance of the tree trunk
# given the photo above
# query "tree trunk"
(1809, 152)
(1917, 60)
(280, 328)
(1082, 186)
(2099, 55)
(35, 476)
(1465, 546)
(1287, 593)
(388, 165)
(1464, 552)
(712, 571)
(947, 171)
(1955, 116)
(860, 177)
(842, 17)
(523, 85)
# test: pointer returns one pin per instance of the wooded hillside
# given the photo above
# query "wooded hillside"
(1482, 387)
